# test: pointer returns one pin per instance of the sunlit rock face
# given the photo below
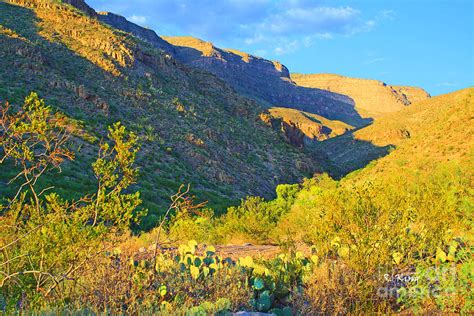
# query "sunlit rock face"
(372, 98)
(264, 80)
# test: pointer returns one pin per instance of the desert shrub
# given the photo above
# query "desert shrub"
(330, 288)
(185, 226)
(394, 225)
(255, 218)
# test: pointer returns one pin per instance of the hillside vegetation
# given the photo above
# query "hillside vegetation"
(193, 127)
(428, 132)
(393, 237)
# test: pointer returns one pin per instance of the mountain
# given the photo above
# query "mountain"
(372, 98)
(426, 133)
(193, 127)
(252, 76)
(121, 23)
(264, 80)
(329, 96)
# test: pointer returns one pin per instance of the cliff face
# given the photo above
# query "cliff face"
(121, 23)
(353, 101)
(263, 80)
(413, 94)
(81, 5)
(372, 97)
(312, 127)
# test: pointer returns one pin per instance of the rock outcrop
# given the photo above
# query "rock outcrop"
(315, 127)
(372, 97)
(81, 5)
(121, 23)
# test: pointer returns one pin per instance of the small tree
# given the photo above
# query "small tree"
(115, 172)
(46, 242)
(35, 139)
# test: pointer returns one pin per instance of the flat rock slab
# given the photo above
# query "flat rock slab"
(231, 251)
(239, 251)
(250, 314)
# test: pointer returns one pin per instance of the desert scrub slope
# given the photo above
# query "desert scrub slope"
(428, 132)
(408, 214)
(192, 126)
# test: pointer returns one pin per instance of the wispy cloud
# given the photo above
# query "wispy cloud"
(375, 60)
(287, 30)
(138, 19)
(280, 26)
(386, 15)
(446, 84)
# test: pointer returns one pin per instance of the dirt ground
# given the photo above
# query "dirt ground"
(228, 251)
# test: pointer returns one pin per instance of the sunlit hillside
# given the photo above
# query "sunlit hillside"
(149, 175)
(437, 128)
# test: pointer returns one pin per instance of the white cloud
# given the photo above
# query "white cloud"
(138, 19)
(280, 26)
(375, 60)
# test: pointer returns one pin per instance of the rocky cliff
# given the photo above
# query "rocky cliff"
(121, 23)
(81, 5)
(372, 97)
(264, 80)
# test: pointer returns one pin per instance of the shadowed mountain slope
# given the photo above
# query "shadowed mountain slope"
(193, 127)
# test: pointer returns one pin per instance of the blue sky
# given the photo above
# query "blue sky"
(421, 43)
